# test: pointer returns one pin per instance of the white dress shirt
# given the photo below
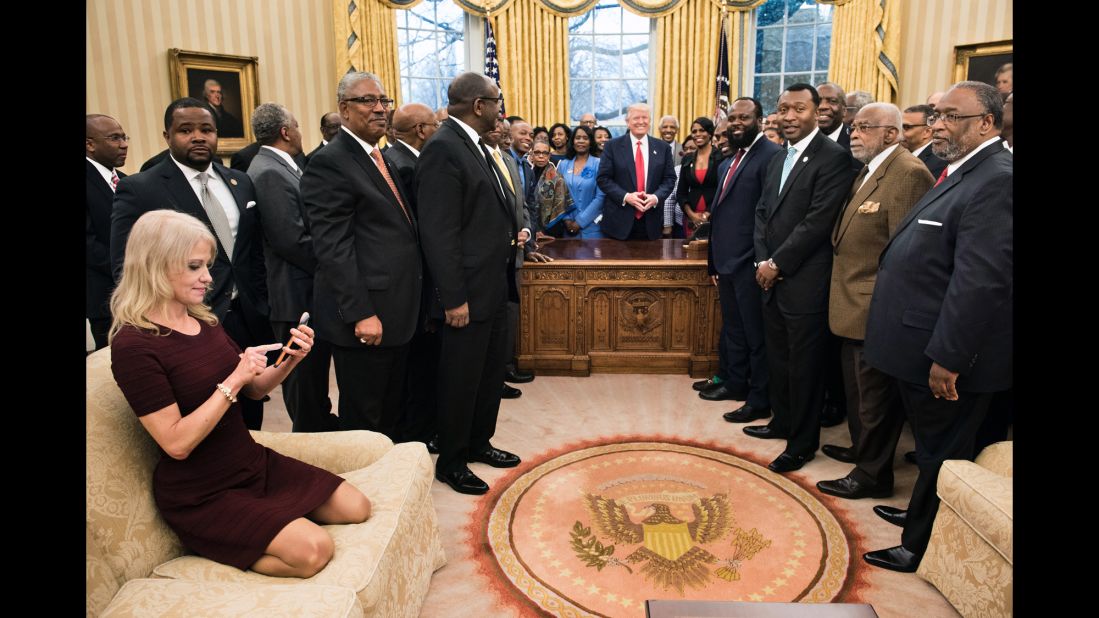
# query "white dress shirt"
(876, 162)
(285, 157)
(953, 167)
(216, 186)
(409, 146)
(106, 173)
(916, 152)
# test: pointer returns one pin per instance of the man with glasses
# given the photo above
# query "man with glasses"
(588, 120)
(941, 315)
(469, 236)
(917, 137)
(886, 188)
(105, 148)
(368, 283)
(413, 123)
(330, 126)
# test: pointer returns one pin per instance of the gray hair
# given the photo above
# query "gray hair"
(861, 98)
(887, 114)
(666, 116)
(351, 78)
(641, 107)
(206, 84)
(268, 121)
(989, 98)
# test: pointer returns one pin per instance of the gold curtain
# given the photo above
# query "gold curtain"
(687, 40)
(366, 40)
(532, 49)
(866, 46)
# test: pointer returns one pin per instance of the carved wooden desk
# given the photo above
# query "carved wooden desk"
(616, 306)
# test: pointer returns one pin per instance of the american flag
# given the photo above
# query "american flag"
(721, 81)
(492, 68)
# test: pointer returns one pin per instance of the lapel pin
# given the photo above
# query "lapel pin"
(805, 160)
(233, 181)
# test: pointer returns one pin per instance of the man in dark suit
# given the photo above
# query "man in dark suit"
(414, 123)
(228, 125)
(804, 192)
(637, 175)
(917, 137)
(887, 187)
(330, 126)
(369, 275)
(941, 315)
(731, 250)
(469, 243)
(291, 264)
(105, 148)
(190, 180)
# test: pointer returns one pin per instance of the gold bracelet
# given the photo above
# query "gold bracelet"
(228, 392)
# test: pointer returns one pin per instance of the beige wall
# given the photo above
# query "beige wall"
(127, 58)
(931, 30)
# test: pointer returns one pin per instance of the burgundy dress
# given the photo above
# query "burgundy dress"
(230, 497)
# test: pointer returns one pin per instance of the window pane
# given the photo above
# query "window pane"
(430, 38)
(580, 55)
(824, 42)
(771, 13)
(769, 50)
(635, 56)
(799, 49)
(609, 69)
(580, 101)
(634, 24)
(804, 14)
(767, 91)
(796, 78)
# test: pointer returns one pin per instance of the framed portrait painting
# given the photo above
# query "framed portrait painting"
(981, 61)
(229, 85)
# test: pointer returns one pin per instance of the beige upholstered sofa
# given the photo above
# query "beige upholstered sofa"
(969, 558)
(135, 565)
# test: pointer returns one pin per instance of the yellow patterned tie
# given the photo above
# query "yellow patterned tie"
(503, 170)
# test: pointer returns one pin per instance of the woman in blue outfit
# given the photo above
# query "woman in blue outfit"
(578, 170)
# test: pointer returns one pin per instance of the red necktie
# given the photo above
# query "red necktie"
(114, 180)
(732, 170)
(639, 168)
(942, 177)
(376, 154)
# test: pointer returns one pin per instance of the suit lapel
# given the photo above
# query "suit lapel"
(178, 192)
(101, 186)
(627, 146)
(724, 169)
(370, 170)
(475, 150)
(861, 193)
(804, 159)
(656, 166)
(296, 173)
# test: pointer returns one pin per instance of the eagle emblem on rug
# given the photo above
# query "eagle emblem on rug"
(670, 550)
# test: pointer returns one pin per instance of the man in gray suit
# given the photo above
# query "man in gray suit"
(288, 255)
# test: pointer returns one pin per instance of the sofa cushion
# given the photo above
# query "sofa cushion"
(998, 457)
(387, 559)
(982, 499)
(171, 597)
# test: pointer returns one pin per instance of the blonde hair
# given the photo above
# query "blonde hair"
(159, 244)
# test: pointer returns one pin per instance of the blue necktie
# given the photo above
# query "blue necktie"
(787, 165)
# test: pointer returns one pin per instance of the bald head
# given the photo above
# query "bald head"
(104, 141)
(934, 97)
(474, 101)
(413, 123)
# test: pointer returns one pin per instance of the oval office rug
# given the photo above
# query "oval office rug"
(597, 529)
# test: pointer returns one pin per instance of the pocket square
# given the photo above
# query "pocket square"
(250, 204)
(869, 207)
(927, 222)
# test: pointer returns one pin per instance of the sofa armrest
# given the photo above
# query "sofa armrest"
(982, 499)
(335, 451)
(998, 457)
(174, 597)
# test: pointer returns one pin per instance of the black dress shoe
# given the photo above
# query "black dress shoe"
(895, 559)
(518, 377)
(702, 385)
(746, 414)
(851, 489)
(788, 463)
(765, 432)
(433, 445)
(496, 458)
(832, 415)
(910, 457)
(464, 482)
(510, 392)
(891, 514)
(721, 392)
(846, 454)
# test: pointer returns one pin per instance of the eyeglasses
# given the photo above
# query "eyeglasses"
(117, 138)
(499, 100)
(862, 127)
(435, 124)
(909, 127)
(371, 101)
(950, 118)
(540, 153)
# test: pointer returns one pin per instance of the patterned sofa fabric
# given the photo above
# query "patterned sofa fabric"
(970, 556)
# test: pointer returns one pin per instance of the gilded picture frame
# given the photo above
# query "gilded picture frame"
(979, 61)
(232, 81)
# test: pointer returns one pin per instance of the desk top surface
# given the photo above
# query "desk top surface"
(610, 250)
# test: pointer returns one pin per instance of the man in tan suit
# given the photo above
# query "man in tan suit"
(891, 181)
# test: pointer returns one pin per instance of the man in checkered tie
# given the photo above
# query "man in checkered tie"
(105, 147)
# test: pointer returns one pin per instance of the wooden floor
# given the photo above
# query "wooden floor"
(554, 411)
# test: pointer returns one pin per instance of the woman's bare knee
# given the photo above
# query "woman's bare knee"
(361, 507)
(316, 553)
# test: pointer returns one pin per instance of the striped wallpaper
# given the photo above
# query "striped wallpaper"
(127, 58)
(931, 30)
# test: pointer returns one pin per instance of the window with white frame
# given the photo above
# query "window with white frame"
(792, 41)
(608, 64)
(431, 46)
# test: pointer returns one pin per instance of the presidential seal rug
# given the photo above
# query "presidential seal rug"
(595, 529)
